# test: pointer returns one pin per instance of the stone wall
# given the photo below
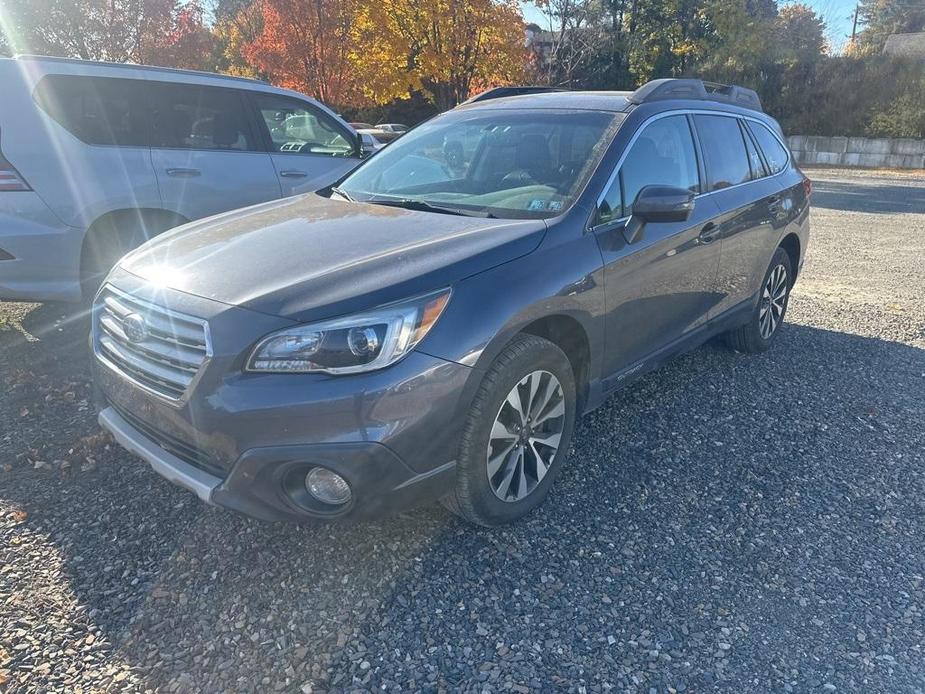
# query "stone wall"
(893, 153)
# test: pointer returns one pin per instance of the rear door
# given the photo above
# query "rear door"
(309, 148)
(206, 155)
(749, 203)
(662, 287)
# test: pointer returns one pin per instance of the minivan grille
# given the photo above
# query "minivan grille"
(159, 349)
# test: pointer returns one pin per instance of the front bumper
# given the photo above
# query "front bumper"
(242, 440)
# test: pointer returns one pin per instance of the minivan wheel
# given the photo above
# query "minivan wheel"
(516, 434)
(767, 317)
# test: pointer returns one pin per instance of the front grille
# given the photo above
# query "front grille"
(163, 353)
(186, 452)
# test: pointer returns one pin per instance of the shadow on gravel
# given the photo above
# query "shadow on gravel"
(730, 521)
(852, 196)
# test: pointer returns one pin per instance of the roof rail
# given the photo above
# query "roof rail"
(658, 90)
(135, 66)
(501, 92)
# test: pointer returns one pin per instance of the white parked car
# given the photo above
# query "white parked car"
(95, 158)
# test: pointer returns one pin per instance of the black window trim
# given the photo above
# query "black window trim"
(749, 138)
(264, 131)
(767, 162)
(591, 226)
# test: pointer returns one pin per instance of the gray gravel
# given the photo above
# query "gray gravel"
(730, 523)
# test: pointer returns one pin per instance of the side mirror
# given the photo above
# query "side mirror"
(368, 144)
(658, 204)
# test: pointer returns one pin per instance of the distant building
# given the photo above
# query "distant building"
(906, 45)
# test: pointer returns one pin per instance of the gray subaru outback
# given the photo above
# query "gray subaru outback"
(432, 326)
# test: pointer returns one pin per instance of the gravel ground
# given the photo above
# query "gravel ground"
(730, 523)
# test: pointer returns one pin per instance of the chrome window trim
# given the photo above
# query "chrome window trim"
(101, 357)
(681, 112)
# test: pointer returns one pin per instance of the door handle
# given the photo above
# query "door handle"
(709, 233)
(293, 173)
(184, 173)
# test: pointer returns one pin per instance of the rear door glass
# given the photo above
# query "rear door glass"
(204, 118)
(724, 150)
(97, 110)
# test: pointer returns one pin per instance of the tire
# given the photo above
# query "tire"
(768, 314)
(528, 363)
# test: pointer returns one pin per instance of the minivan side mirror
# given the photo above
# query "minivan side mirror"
(658, 204)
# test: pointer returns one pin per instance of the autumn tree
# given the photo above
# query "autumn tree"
(880, 18)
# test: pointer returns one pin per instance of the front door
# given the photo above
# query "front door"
(205, 154)
(310, 149)
(661, 287)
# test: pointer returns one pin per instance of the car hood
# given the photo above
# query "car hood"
(310, 257)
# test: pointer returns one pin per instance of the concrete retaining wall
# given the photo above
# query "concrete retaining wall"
(893, 153)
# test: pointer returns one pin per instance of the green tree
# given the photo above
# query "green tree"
(880, 18)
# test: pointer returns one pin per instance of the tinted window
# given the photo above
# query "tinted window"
(99, 111)
(188, 117)
(663, 154)
(294, 126)
(773, 150)
(724, 150)
(754, 159)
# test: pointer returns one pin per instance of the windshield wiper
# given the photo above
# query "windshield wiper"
(424, 206)
(343, 193)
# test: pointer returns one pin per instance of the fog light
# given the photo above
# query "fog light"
(328, 487)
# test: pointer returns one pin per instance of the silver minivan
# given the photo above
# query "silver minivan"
(95, 158)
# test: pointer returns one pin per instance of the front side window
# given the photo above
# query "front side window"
(724, 150)
(190, 117)
(96, 110)
(295, 127)
(663, 154)
(499, 162)
(773, 150)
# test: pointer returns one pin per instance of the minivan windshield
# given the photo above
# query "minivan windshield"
(488, 162)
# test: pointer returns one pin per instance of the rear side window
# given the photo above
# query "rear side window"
(97, 110)
(295, 127)
(754, 159)
(190, 117)
(724, 150)
(774, 151)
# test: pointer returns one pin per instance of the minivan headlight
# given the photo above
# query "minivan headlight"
(353, 344)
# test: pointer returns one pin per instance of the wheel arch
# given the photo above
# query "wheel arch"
(791, 244)
(569, 335)
(150, 220)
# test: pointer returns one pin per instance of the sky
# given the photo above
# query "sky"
(837, 15)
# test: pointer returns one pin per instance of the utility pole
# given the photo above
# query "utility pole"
(854, 29)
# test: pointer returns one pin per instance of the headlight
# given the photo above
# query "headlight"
(353, 344)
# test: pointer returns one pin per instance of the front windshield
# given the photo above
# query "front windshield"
(494, 162)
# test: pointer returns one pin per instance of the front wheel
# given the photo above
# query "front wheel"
(516, 434)
(767, 317)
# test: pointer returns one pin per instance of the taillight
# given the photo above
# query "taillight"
(9, 176)
(807, 186)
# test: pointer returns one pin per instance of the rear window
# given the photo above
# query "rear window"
(774, 151)
(724, 150)
(97, 110)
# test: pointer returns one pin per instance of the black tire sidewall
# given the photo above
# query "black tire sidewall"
(523, 356)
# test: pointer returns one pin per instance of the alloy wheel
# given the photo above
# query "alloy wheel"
(525, 436)
(773, 301)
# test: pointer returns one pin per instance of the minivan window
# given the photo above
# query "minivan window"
(754, 159)
(295, 127)
(503, 162)
(724, 151)
(97, 110)
(207, 118)
(773, 150)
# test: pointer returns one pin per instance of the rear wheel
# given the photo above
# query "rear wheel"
(767, 317)
(516, 435)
